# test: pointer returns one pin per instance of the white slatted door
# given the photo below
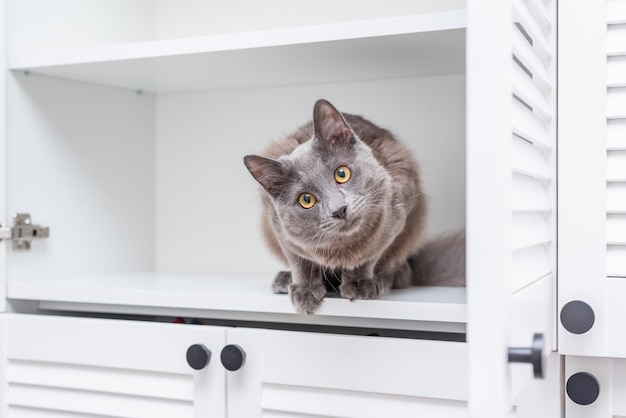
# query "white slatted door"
(72, 367)
(341, 376)
(3, 180)
(511, 193)
(592, 172)
(4, 408)
(243, 385)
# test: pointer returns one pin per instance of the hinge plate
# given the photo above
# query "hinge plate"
(23, 232)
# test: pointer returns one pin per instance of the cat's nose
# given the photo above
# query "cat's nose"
(340, 213)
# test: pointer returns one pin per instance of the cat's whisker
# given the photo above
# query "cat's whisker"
(319, 241)
(329, 281)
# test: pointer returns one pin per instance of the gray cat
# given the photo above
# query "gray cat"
(343, 202)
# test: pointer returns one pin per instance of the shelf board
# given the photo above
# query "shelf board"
(245, 298)
(407, 46)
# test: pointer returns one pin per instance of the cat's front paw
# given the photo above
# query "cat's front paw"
(281, 282)
(362, 289)
(306, 297)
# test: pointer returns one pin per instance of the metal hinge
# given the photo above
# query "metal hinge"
(23, 232)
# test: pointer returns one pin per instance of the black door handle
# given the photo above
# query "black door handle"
(198, 356)
(233, 357)
(532, 355)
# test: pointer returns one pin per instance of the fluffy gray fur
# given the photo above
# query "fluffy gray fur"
(440, 262)
(365, 231)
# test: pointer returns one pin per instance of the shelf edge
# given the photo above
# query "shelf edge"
(238, 41)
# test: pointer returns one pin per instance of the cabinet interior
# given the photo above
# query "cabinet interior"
(128, 142)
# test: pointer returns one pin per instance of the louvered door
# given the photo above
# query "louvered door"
(511, 192)
(342, 376)
(3, 196)
(592, 175)
(62, 367)
(616, 140)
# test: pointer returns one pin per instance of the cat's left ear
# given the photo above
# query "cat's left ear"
(330, 126)
(270, 174)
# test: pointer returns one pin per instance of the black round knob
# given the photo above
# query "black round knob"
(532, 355)
(198, 356)
(583, 388)
(577, 317)
(233, 357)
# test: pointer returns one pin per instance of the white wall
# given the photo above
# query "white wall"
(101, 22)
(200, 17)
(81, 161)
(37, 25)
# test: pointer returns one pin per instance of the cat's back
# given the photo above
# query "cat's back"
(388, 151)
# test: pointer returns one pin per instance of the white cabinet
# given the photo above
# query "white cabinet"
(138, 138)
(592, 206)
(511, 128)
(59, 366)
(592, 132)
(347, 376)
(595, 386)
(126, 124)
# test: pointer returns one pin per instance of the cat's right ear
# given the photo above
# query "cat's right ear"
(270, 174)
(330, 126)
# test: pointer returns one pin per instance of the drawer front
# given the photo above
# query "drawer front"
(353, 376)
(66, 366)
(595, 387)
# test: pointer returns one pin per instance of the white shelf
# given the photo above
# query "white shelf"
(424, 44)
(244, 298)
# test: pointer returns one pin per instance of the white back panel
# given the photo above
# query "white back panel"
(208, 205)
(36, 25)
(199, 17)
(81, 161)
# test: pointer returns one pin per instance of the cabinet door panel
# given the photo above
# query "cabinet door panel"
(592, 174)
(610, 376)
(3, 167)
(243, 387)
(295, 401)
(511, 193)
(346, 376)
(109, 367)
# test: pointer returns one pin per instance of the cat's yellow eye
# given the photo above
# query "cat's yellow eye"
(342, 174)
(307, 200)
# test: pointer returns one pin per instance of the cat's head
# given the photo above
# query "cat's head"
(329, 188)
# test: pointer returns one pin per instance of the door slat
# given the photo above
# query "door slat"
(522, 16)
(529, 160)
(616, 166)
(616, 39)
(528, 230)
(527, 125)
(616, 261)
(616, 229)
